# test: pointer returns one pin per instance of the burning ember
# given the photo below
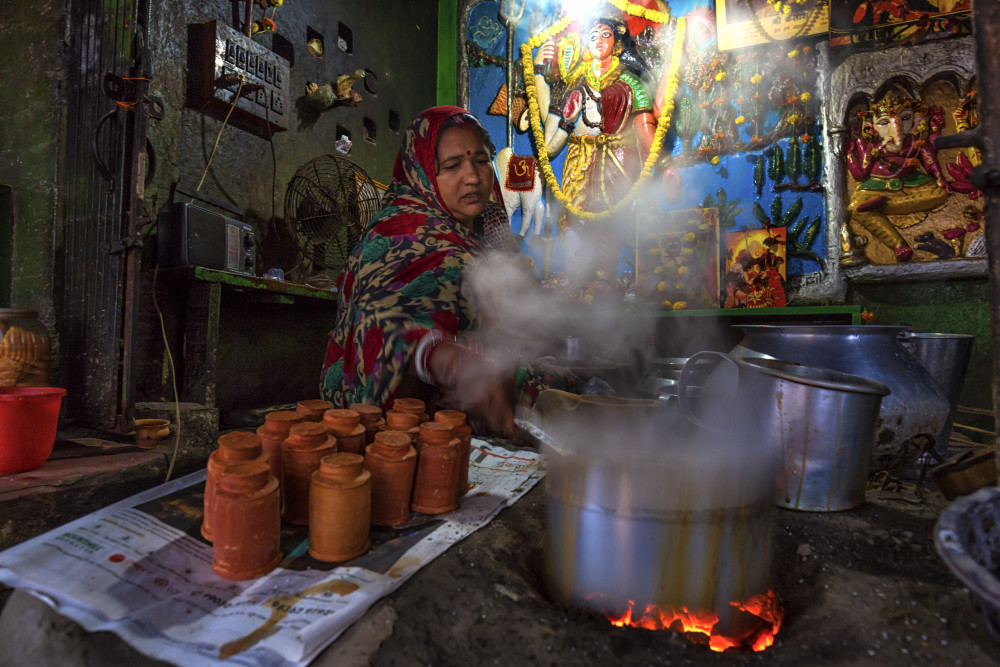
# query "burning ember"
(760, 620)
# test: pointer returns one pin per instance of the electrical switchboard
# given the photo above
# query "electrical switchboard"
(223, 62)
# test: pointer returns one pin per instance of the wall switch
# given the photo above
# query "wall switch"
(220, 60)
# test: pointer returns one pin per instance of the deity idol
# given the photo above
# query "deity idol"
(601, 113)
(895, 161)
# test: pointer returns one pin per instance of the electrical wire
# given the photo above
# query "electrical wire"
(236, 98)
(274, 159)
(173, 378)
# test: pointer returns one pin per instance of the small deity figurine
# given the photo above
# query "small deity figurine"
(894, 159)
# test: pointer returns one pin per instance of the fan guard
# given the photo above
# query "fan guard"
(328, 202)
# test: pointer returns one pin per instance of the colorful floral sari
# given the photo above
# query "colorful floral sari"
(403, 280)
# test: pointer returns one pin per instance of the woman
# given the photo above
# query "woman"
(404, 311)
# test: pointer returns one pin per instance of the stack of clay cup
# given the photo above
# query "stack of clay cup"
(312, 409)
(339, 471)
(301, 454)
(242, 508)
(403, 422)
(371, 418)
(435, 486)
(346, 427)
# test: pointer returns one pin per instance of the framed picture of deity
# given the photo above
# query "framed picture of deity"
(677, 259)
(743, 23)
(875, 25)
(756, 268)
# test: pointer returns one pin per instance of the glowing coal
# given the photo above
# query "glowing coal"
(753, 630)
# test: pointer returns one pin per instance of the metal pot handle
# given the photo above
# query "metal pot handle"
(684, 401)
(906, 340)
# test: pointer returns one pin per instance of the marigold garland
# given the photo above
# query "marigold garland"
(641, 12)
(538, 130)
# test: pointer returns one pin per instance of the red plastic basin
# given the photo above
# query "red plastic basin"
(28, 420)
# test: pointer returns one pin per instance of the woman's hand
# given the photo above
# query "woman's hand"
(475, 384)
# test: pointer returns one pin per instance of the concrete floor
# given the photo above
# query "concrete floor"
(861, 587)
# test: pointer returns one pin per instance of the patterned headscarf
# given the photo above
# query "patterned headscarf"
(414, 175)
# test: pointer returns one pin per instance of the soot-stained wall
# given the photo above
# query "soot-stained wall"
(395, 40)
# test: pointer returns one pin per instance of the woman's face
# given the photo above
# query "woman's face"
(464, 172)
(602, 41)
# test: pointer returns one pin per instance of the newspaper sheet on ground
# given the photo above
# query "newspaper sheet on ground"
(140, 568)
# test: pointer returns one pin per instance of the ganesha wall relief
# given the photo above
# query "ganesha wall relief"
(898, 206)
(908, 201)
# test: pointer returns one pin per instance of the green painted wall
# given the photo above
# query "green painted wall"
(448, 50)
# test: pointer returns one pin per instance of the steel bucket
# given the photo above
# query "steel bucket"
(946, 357)
(909, 418)
(820, 422)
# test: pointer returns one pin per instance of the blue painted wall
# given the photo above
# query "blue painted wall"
(701, 178)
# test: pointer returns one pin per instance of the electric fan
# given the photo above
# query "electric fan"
(328, 202)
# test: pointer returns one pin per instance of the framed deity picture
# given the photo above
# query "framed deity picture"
(677, 259)
(756, 268)
(743, 23)
(878, 25)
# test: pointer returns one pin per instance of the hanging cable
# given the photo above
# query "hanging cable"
(173, 378)
(236, 98)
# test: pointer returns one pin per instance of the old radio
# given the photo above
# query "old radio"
(189, 235)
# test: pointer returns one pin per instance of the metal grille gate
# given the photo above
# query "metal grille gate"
(99, 198)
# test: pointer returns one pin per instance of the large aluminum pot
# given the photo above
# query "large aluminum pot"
(821, 423)
(910, 418)
(655, 513)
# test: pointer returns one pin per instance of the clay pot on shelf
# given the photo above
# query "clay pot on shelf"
(461, 430)
(273, 432)
(312, 409)
(404, 422)
(346, 427)
(413, 406)
(371, 418)
(247, 522)
(149, 432)
(234, 447)
(435, 485)
(340, 508)
(301, 453)
(392, 462)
